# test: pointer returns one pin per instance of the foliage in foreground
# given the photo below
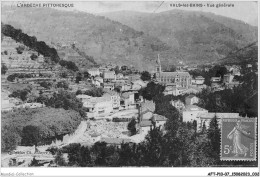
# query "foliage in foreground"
(36, 126)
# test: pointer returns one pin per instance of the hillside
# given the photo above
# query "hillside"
(103, 39)
(247, 54)
(199, 36)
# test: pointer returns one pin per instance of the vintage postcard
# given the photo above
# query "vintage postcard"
(119, 84)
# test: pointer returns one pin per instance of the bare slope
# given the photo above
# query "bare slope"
(199, 36)
(104, 39)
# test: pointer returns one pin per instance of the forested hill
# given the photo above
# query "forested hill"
(106, 40)
(199, 36)
(30, 41)
(247, 54)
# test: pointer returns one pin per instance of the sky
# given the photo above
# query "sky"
(246, 11)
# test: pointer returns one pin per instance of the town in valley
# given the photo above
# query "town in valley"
(64, 106)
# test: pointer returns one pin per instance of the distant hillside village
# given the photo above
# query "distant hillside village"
(112, 96)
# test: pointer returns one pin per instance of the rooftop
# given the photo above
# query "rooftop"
(159, 117)
(191, 96)
(146, 123)
(211, 115)
(84, 96)
(127, 94)
(116, 141)
(175, 74)
(193, 108)
(148, 105)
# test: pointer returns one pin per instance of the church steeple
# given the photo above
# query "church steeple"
(158, 64)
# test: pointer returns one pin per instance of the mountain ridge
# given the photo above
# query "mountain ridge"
(190, 37)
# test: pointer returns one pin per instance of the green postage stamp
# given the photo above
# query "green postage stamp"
(238, 139)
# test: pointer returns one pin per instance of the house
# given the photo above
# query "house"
(6, 105)
(232, 85)
(199, 80)
(146, 110)
(159, 120)
(128, 100)
(126, 86)
(228, 78)
(32, 105)
(191, 112)
(191, 99)
(145, 126)
(109, 86)
(205, 118)
(119, 76)
(133, 77)
(115, 97)
(94, 72)
(193, 90)
(215, 79)
(138, 84)
(173, 90)
(98, 106)
(215, 85)
(97, 81)
(178, 104)
(109, 76)
(83, 98)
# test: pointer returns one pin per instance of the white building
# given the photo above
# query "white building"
(94, 72)
(115, 97)
(98, 106)
(109, 86)
(84, 98)
(191, 99)
(199, 80)
(191, 112)
(109, 76)
(207, 117)
(178, 104)
(128, 100)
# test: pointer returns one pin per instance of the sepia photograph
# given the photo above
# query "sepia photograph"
(136, 84)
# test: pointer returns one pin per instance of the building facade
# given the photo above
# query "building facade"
(181, 79)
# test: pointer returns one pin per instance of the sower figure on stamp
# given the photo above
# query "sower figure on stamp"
(235, 135)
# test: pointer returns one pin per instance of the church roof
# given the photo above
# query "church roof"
(175, 74)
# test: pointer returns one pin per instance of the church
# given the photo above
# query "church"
(180, 79)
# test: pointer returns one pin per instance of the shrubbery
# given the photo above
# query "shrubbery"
(36, 126)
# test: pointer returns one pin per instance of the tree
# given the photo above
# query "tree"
(95, 92)
(10, 138)
(213, 134)
(11, 77)
(45, 84)
(194, 124)
(78, 92)
(59, 159)
(64, 75)
(132, 126)
(30, 136)
(154, 154)
(78, 77)
(4, 69)
(20, 49)
(145, 76)
(86, 74)
(152, 90)
(63, 84)
(22, 94)
(33, 56)
(34, 163)
(203, 128)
